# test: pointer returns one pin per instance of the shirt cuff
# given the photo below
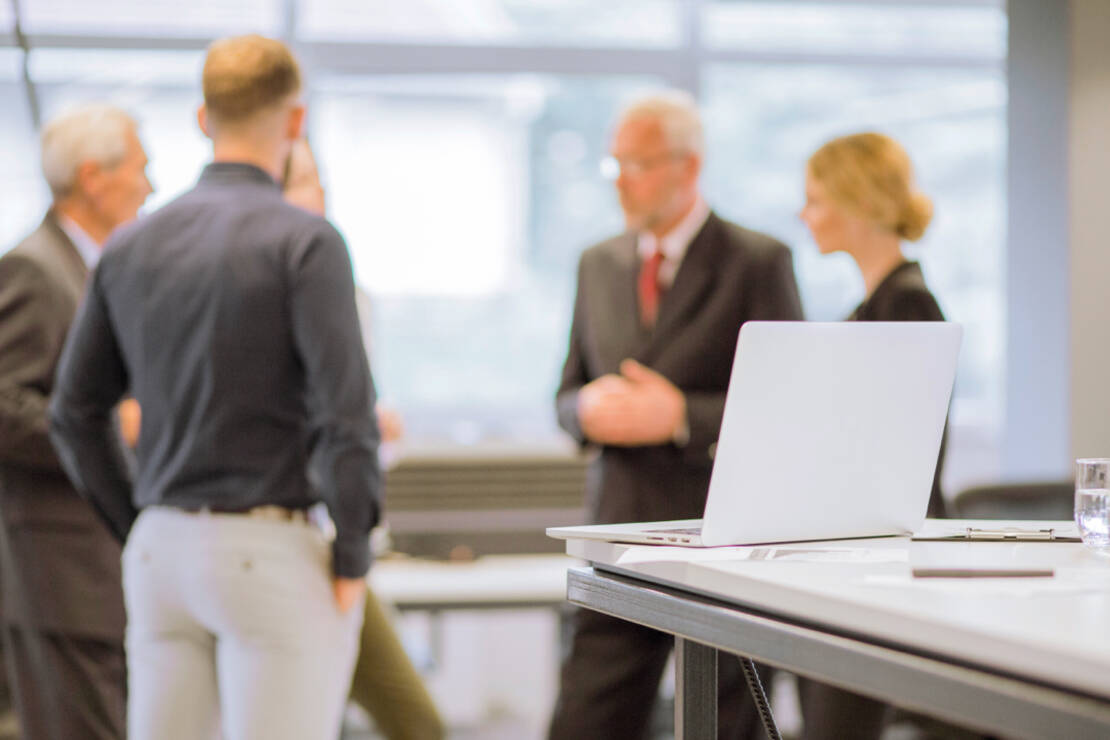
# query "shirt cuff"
(681, 436)
(351, 558)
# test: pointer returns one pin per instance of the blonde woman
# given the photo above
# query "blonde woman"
(861, 199)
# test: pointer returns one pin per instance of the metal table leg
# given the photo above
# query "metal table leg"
(695, 692)
(695, 701)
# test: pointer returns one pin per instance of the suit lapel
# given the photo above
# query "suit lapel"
(619, 332)
(691, 285)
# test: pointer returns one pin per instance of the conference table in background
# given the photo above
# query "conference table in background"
(1024, 657)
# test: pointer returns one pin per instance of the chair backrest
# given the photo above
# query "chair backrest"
(1039, 500)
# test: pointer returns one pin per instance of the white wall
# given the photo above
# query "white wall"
(1089, 217)
(1058, 256)
(1036, 439)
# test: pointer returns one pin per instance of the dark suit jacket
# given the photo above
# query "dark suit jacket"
(729, 275)
(903, 296)
(65, 567)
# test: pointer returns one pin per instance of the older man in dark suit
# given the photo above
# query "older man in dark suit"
(655, 326)
(63, 603)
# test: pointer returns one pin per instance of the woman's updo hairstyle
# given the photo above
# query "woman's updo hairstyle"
(871, 175)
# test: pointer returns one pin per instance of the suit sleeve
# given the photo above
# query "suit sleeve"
(343, 461)
(31, 336)
(773, 293)
(574, 371)
(91, 380)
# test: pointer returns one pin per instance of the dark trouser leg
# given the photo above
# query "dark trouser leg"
(832, 713)
(930, 728)
(68, 687)
(609, 680)
(9, 725)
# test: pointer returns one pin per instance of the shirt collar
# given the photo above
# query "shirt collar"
(236, 172)
(675, 242)
(86, 245)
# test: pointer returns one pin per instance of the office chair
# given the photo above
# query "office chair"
(1028, 500)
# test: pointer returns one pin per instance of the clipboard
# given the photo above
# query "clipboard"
(999, 534)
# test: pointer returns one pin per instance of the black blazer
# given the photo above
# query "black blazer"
(729, 275)
(64, 571)
(903, 296)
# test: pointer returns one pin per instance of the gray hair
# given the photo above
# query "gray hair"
(677, 113)
(94, 132)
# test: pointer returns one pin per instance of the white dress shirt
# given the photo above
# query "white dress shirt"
(86, 245)
(675, 242)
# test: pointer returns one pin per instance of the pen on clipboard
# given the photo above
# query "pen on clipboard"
(983, 573)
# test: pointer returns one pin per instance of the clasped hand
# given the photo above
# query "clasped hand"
(637, 407)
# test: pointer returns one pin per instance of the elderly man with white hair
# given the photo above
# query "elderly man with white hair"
(655, 325)
(63, 602)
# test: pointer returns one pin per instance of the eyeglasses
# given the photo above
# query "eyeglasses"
(611, 167)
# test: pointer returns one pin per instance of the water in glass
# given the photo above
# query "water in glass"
(1092, 514)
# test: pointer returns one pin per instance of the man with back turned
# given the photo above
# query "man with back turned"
(229, 315)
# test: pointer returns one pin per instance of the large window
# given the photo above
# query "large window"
(21, 186)
(466, 201)
(631, 23)
(459, 142)
(946, 30)
(150, 19)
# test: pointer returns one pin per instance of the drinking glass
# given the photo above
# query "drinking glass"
(1092, 501)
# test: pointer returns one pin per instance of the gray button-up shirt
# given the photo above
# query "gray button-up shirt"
(230, 316)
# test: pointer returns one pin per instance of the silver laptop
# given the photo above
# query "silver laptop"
(830, 430)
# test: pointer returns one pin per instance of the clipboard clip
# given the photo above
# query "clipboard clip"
(998, 534)
(1010, 535)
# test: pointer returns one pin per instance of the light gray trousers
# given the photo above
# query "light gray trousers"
(232, 629)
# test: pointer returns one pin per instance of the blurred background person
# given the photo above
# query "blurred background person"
(63, 602)
(654, 331)
(386, 684)
(230, 314)
(861, 199)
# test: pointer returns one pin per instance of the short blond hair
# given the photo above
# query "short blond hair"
(94, 132)
(247, 75)
(871, 175)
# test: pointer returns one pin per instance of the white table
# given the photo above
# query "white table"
(1026, 657)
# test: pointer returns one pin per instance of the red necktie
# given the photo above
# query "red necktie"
(649, 288)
